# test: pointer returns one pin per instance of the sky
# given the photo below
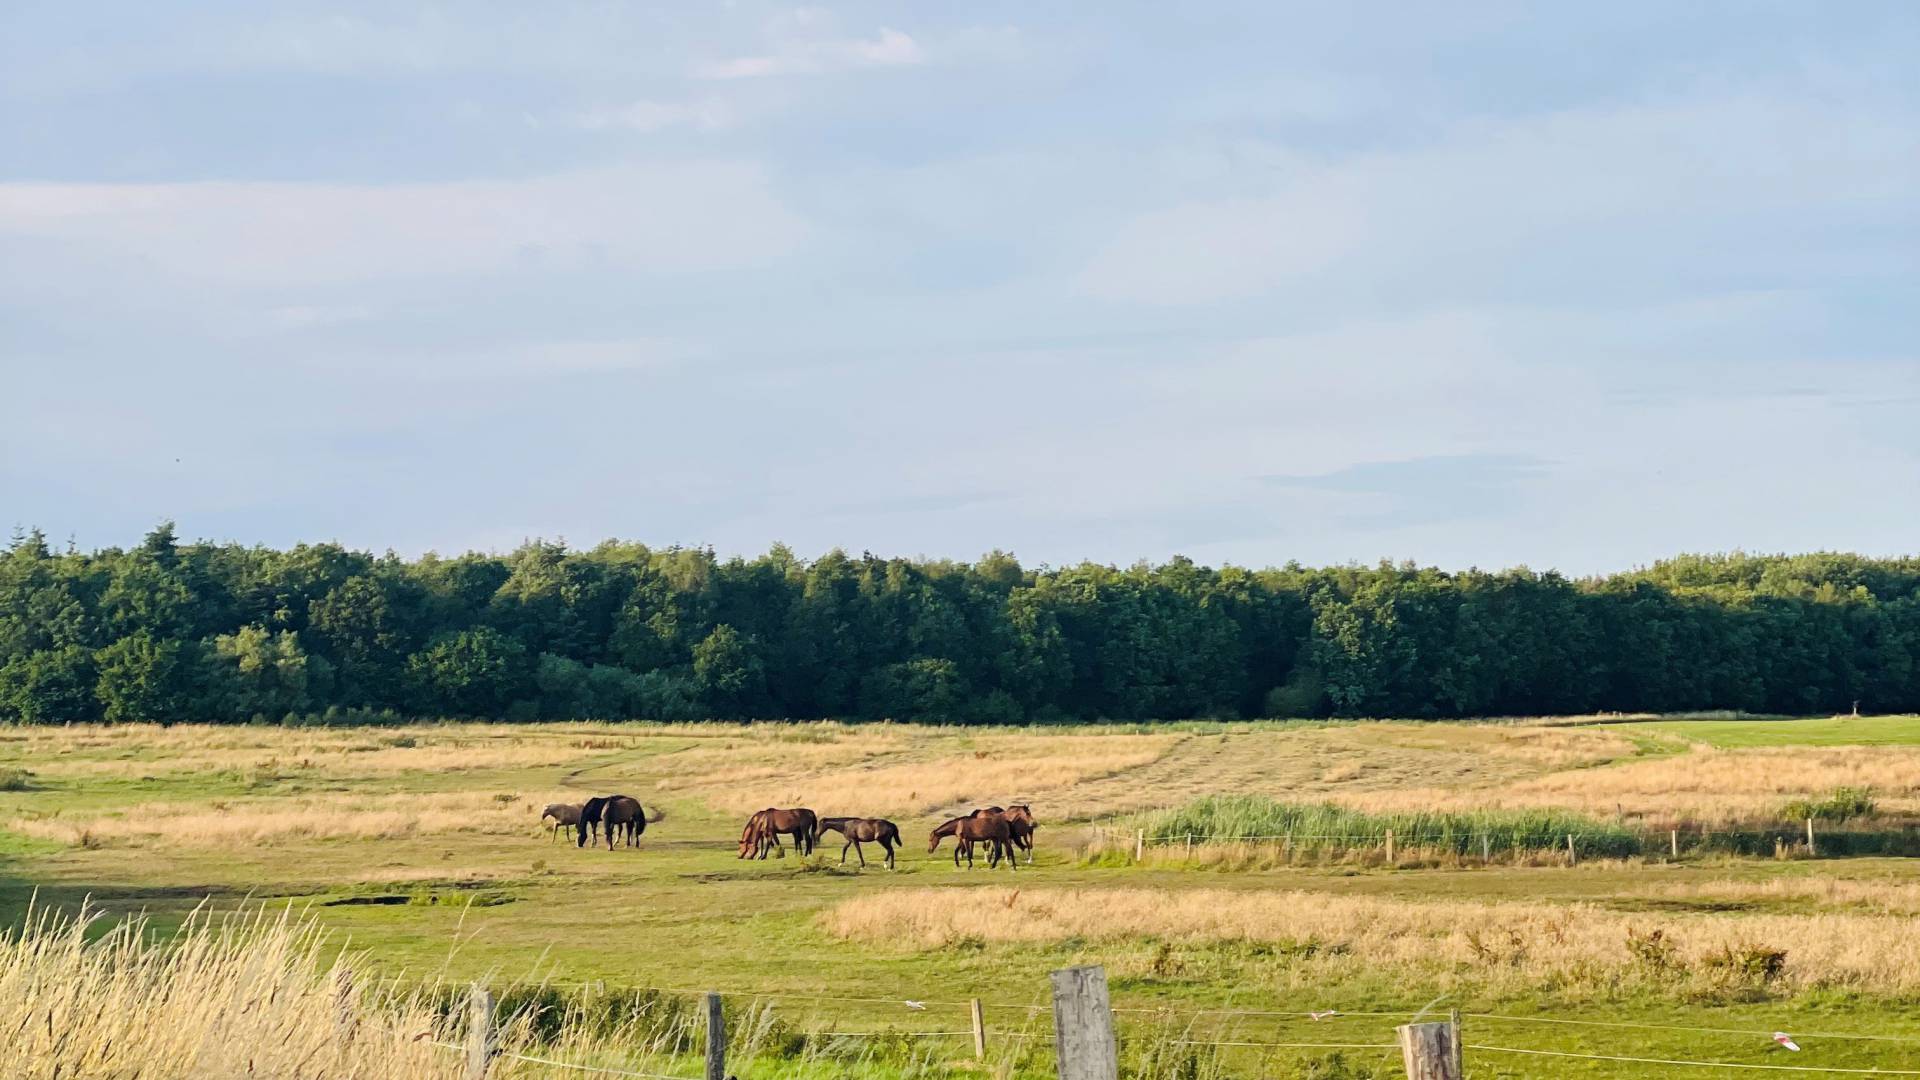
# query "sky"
(1482, 284)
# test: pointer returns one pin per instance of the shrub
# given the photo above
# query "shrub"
(16, 780)
(1837, 805)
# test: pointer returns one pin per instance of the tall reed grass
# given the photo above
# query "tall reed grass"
(1229, 818)
(264, 994)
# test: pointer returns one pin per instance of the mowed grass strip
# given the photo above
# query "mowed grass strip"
(1897, 730)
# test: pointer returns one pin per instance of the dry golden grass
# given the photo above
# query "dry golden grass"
(1441, 943)
(229, 822)
(1891, 897)
(1320, 761)
(1706, 785)
(997, 768)
(146, 750)
(239, 999)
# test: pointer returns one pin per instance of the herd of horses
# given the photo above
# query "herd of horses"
(1005, 830)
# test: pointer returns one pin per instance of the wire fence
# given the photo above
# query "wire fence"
(1798, 839)
(1374, 1031)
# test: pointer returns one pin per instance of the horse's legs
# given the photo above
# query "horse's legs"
(888, 846)
(843, 852)
(856, 851)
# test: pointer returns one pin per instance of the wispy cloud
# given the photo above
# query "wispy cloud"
(819, 56)
(649, 116)
(662, 217)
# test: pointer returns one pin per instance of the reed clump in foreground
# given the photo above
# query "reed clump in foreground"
(266, 994)
(245, 996)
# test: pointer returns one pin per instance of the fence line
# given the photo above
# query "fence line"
(1683, 1027)
(1289, 1045)
(600, 1069)
(1322, 1017)
(1696, 1064)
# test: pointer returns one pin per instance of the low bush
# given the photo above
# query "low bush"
(1840, 804)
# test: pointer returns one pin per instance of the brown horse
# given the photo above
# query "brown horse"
(617, 815)
(1020, 826)
(765, 828)
(856, 829)
(564, 815)
(981, 826)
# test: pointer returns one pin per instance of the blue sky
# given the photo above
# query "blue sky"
(1488, 284)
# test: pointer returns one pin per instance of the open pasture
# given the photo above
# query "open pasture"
(422, 846)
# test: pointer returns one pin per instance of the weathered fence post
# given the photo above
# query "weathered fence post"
(1189, 847)
(1673, 838)
(979, 1030)
(1389, 847)
(482, 1042)
(716, 1039)
(1083, 1025)
(1810, 849)
(1459, 1046)
(1572, 859)
(1486, 847)
(1139, 844)
(1430, 1051)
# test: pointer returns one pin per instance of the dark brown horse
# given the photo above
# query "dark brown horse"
(856, 829)
(617, 816)
(981, 826)
(765, 828)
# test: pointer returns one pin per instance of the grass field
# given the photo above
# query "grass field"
(1820, 731)
(421, 846)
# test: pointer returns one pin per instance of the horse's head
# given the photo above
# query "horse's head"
(946, 830)
(750, 836)
(1021, 813)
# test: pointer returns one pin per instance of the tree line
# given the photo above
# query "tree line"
(171, 631)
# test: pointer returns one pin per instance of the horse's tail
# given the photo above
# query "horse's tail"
(656, 815)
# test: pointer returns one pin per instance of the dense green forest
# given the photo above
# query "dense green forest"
(170, 631)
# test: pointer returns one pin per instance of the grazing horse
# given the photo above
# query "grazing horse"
(856, 829)
(765, 828)
(613, 812)
(981, 826)
(564, 815)
(1020, 826)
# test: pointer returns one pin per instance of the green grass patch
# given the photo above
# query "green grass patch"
(1821, 731)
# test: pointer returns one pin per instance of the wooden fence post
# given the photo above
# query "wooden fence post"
(1430, 1051)
(1486, 847)
(1572, 859)
(1139, 844)
(482, 1042)
(979, 1030)
(1083, 1025)
(1459, 1048)
(1810, 849)
(716, 1039)
(1189, 847)
(1389, 847)
(1673, 838)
